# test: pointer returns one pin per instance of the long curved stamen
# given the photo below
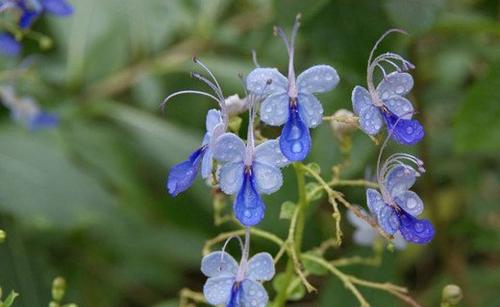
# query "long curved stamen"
(163, 104)
(197, 61)
(254, 59)
(244, 257)
(208, 82)
(382, 69)
(227, 242)
(290, 46)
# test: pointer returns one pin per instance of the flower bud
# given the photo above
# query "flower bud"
(58, 289)
(3, 235)
(235, 105)
(452, 295)
(343, 122)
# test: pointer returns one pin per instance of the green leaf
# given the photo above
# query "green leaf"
(296, 289)
(313, 267)
(314, 191)
(477, 124)
(287, 210)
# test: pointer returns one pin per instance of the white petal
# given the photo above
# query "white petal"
(258, 81)
(217, 290)
(395, 83)
(213, 119)
(274, 109)
(261, 267)
(364, 236)
(270, 153)
(218, 263)
(268, 179)
(229, 148)
(310, 110)
(317, 79)
(231, 177)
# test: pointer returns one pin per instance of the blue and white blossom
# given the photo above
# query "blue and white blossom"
(291, 101)
(182, 175)
(237, 285)
(386, 103)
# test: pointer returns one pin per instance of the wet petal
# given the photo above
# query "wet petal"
(295, 140)
(317, 79)
(374, 201)
(217, 290)
(395, 83)
(270, 153)
(410, 202)
(9, 45)
(229, 148)
(57, 7)
(415, 230)
(403, 131)
(218, 263)
(388, 219)
(248, 206)
(268, 179)
(182, 175)
(261, 267)
(400, 179)
(370, 120)
(213, 119)
(231, 177)
(253, 294)
(310, 109)
(258, 81)
(361, 99)
(274, 109)
(400, 106)
(207, 164)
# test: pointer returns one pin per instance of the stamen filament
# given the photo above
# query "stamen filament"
(162, 105)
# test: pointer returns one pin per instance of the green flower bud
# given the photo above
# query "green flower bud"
(3, 235)
(58, 289)
(452, 295)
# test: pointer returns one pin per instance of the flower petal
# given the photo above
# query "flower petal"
(248, 206)
(410, 202)
(270, 153)
(9, 45)
(370, 120)
(182, 175)
(400, 179)
(310, 109)
(403, 131)
(207, 164)
(395, 83)
(258, 81)
(219, 263)
(229, 148)
(213, 119)
(274, 109)
(268, 179)
(415, 230)
(295, 140)
(374, 201)
(253, 294)
(317, 79)
(261, 267)
(217, 290)
(231, 177)
(400, 106)
(361, 99)
(388, 219)
(43, 120)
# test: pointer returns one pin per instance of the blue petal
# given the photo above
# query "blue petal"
(274, 109)
(370, 120)
(27, 18)
(410, 202)
(310, 109)
(295, 140)
(268, 179)
(270, 153)
(218, 263)
(400, 179)
(403, 131)
(253, 294)
(234, 301)
(388, 219)
(43, 120)
(57, 7)
(395, 84)
(261, 267)
(317, 79)
(361, 99)
(258, 81)
(213, 119)
(182, 175)
(415, 230)
(9, 45)
(229, 148)
(230, 177)
(207, 164)
(374, 201)
(248, 206)
(400, 106)
(217, 290)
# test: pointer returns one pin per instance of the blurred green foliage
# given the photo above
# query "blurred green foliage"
(87, 200)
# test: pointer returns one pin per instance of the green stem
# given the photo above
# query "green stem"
(295, 235)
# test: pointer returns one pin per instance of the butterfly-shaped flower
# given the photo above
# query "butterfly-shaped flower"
(386, 103)
(26, 111)
(396, 207)
(248, 172)
(365, 234)
(182, 175)
(234, 285)
(291, 101)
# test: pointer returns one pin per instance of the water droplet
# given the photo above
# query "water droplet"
(295, 133)
(400, 89)
(297, 147)
(409, 130)
(411, 203)
(247, 213)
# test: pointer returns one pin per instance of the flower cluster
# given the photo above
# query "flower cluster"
(27, 12)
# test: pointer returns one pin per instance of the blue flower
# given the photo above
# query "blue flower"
(290, 101)
(247, 173)
(182, 175)
(386, 103)
(30, 10)
(236, 285)
(395, 207)
(9, 46)
(365, 234)
(26, 111)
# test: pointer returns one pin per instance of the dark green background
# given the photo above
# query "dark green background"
(87, 201)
